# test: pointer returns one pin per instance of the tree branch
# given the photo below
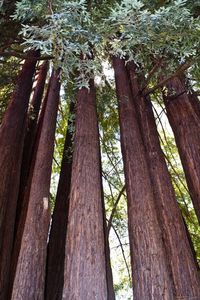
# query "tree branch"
(152, 72)
(178, 72)
(114, 210)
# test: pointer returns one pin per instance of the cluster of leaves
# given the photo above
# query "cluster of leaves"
(136, 33)
(76, 38)
(69, 35)
(27, 10)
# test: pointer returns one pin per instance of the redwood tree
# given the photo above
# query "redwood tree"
(180, 256)
(150, 272)
(85, 267)
(29, 278)
(183, 111)
(12, 132)
(31, 129)
(57, 237)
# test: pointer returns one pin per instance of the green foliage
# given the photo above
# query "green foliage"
(29, 10)
(73, 35)
(141, 35)
(9, 28)
(70, 37)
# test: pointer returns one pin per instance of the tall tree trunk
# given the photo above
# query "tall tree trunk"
(109, 274)
(180, 256)
(183, 111)
(29, 278)
(57, 238)
(85, 268)
(30, 136)
(23, 214)
(12, 132)
(150, 270)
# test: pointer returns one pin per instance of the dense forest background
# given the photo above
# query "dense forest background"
(89, 81)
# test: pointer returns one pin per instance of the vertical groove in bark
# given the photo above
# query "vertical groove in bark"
(12, 132)
(183, 112)
(30, 271)
(57, 238)
(30, 136)
(85, 269)
(150, 270)
(184, 271)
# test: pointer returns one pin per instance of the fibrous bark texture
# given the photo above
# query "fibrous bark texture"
(57, 238)
(12, 132)
(183, 111)
(85, 267)
(30, 270)
(31, 129)
(109, 276)
(150, 270)
(180, 256)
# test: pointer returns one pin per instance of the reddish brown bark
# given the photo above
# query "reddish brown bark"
(25, 201)
(150, 272)
(30, 271)
(12, 132)
(85, 268)
(30, 136)
(183, 111)
(57, 238)
(109, 275)
(180, 256)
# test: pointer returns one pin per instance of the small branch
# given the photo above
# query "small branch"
(114, 165)
(152, 72)
(106, 177)
(173, 169)
(114, 210)
(50, 6)
(123, 254)
(111, 192)
(56, 162)
(171, 153)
